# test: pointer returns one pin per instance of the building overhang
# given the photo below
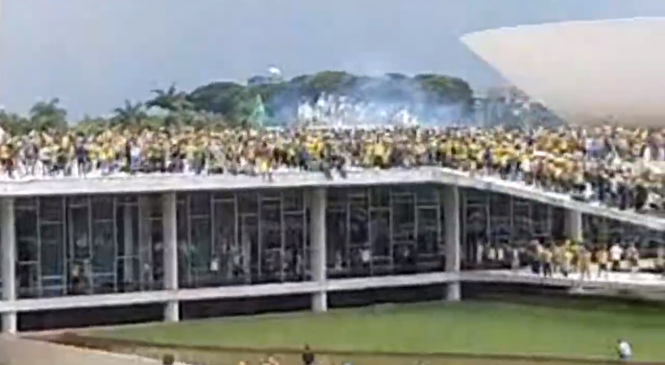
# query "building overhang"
(153, 184)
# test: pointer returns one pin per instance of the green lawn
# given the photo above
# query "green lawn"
(579, 329)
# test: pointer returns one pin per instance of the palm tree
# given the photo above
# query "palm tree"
(46, 115)
(13, 123)
(170, 99)
(129, 114)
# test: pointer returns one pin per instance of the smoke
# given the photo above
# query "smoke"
(389, 100)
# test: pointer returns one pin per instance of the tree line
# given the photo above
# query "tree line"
(232, 104)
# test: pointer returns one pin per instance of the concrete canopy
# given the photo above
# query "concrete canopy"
(588, 72)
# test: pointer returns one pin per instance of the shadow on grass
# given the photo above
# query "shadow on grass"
(218, 355)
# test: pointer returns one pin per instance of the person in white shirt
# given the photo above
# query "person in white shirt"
(615, 257)
(624, 350)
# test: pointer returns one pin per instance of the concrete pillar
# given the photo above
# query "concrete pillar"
(317, 233)
(451, 204)
(128, 243)
(170, 251)
(573, 225)
(8, 238)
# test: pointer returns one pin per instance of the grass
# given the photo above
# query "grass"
(580, 329)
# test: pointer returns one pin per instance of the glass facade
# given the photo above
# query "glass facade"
(600, 230)
(104, 244)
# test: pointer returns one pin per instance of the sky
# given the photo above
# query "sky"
(94, 54)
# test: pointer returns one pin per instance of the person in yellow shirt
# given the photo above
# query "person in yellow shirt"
(602, 258)
(546, 257)
(557, 258)
(585, 263)
(566, 262)
(574, 249)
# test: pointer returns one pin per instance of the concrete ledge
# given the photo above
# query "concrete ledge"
(426, 175)
(266, 290)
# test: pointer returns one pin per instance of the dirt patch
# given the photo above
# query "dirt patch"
(212, 355)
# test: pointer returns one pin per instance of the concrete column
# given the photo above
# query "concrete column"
(170, 226)
(8, 238)
(451, 204)
(128, 243)
(317, 233)
(573, 225)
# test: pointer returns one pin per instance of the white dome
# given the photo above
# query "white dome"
(585, 71)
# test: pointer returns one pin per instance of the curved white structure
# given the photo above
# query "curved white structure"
(588, 71)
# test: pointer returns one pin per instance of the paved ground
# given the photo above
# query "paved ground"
(19, 351)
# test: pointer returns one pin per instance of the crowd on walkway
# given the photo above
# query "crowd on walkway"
(610, 165)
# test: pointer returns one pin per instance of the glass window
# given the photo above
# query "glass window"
(380, 233)
(246, 260)
(102, 207)
(199, 204)
(248, 203)
(428, 234)
(201, 245)
(295, 255)
(51, 210)
(225, 225)
(427, 194)
(379, 196)
(336, 199)
(358, 220)
(336, 240)
(293, 200)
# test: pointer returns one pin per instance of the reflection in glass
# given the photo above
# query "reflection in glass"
(500, 218)
(225, 237)
(542, 219)
(127, 247)
(358, 220)
(296, 258)
(52, 259)
(336, 244)
(522, 222)
(427, 228)
(271, 241)
(426, 194)
(379, 196)
(103, 256)
(380, 234)
(246, 258)
(558, 228)
(293, 200)
(403, 225)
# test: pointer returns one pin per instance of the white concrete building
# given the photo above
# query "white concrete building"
(588, 72)
(79, 243)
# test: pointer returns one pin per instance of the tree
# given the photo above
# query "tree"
(47, 115)
(233, 104)
(129, 114)
(170, 100)
(281, 99)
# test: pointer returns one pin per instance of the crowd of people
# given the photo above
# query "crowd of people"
(589, 261)
(610, 165)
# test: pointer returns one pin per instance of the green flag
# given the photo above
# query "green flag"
(258, 115)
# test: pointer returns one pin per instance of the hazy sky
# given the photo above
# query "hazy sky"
(94, 54)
